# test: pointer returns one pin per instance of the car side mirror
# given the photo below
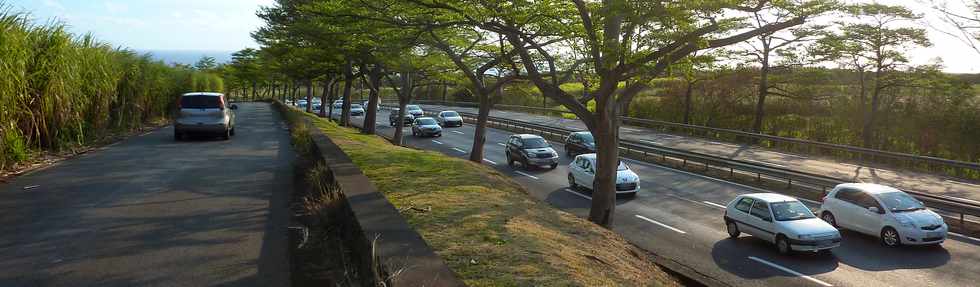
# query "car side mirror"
(874, 209)
(234, 106)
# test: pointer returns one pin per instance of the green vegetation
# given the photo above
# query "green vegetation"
(486, 227)
(59, 90)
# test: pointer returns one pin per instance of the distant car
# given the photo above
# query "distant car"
(450, 119)
(204, 113)
(782, 220)
(530, 150)
(893, 216)
(577, 143)
(415, 110)
(367, 104)
(302, 104)
(393, 118)
(426, 126)
(356, 110)
(581, 172)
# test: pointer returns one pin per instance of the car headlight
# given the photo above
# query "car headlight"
(554, 154)
(905, 222)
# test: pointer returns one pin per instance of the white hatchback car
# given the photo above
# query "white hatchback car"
(894, 216)
(581, 172)
(782, 220)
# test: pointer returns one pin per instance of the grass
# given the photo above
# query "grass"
(487, 228)
(60, 91)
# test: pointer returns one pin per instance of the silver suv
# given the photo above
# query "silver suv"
(204, 113)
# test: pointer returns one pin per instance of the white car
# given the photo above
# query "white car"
(782, 220)
(581, 172)
(888, 213)
(356, 110)
(450, 119)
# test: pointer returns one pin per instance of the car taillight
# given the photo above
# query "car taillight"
(221, 103)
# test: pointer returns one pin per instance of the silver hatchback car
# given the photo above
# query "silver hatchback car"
(204, 113)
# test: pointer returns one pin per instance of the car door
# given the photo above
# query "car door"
(512, 148)
(845, 207)
(588, 173)
(576, 169)
(572, 145)
(868, 221)
(741, 215)
(761, 219)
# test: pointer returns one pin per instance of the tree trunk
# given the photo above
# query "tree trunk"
(309, 96)
(333, 96)
(255, 89)
(480, 134)
(760, 106)
(348, 81)
(324, 98)
(371, 111)
(869, 119)
(687, 102)
(444, 88)
(606, 134)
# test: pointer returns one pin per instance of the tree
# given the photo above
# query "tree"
(245, 67)
(691, 69)
(966, 22)
(206, 63)
(625, 41)
(875, 37)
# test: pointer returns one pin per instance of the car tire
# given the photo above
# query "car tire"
(510, 161)
(571, 182)
(525, 164)
(890, 237)
(439, 135)
(782, 245)
(226, 135)
(232, 131)
(829, 218)
(733, 231)
(554, 166)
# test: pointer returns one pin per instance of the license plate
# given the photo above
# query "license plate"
(934, 234)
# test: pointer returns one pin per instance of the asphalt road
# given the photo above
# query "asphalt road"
(853, 171)
(150, 211)
(678, 215)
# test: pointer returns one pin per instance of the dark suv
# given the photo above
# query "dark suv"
(579, 143)
(531, 150)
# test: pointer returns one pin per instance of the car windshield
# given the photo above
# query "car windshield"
(356, 106)
(413, 108)
(536, 143)
(790, 210)
(622, 166)
(450, 114)
(427, 122)
(586, 137)
(900, 202)
(200, 102)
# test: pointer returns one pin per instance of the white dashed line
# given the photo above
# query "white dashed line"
(502, 144)
(705, 203)
(459, 150)
(661, 224)
(458, 132)
(525, 174)
(579, 194)
(790, 271)
(490, 161)
(437, 142)
(974, 239)
(714, 204)
(649, 141)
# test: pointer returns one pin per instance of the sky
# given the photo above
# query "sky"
(224, 25)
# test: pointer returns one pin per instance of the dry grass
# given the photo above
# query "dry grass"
(487, 228)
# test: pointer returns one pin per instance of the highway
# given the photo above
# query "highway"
(149, 211)
(678, 215)
(851, 171)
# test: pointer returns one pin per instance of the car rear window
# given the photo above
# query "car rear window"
(200, 102)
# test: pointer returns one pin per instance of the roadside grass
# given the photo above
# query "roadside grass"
(486, 227)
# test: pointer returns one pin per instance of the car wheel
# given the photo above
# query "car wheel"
(890, 237)
(227, 135)
(525, 164)
(439, 135)
(782, 245)
(554, 166)
(510, 161)
(571, 182)
(829, 218)
(733, 230)
(232, 131)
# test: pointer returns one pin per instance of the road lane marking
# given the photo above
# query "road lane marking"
(490, 161)
(661, 224)
(790, 271)
(458, 132)
(502, 144)
(459, 150)
(649, 141)
(705, 203)
(714, 204)
(579, 194)
(963, 183)
(974, 239)
(765, 163)
(525, 174)
(437, 142)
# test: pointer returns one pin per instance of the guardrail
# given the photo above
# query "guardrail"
(643, 150)
(908, 159)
